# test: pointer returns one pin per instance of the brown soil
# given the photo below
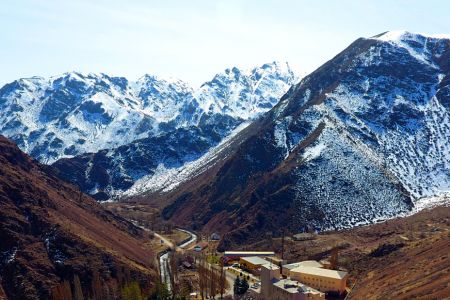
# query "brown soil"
(56, 232)
(404, 258)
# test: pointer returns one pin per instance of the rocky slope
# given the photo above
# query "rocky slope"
(75, 113)
(50, 232)
(359, 140)
(409, 258)
(403, 258)
(200, 122)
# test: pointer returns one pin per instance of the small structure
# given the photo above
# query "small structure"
(201, 246)
(276, 260)
(273, 287)
(326, 263)
(215, 236)
(289, 289)
(303, 236)
(252, 263)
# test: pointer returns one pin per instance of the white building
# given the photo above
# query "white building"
(275, 288)
(324, 280)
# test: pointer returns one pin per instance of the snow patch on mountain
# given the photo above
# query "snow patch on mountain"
(165, 179)
(313, 151)
(75, 113)
(399, 35)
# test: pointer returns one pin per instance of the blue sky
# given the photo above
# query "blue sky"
(193, 40)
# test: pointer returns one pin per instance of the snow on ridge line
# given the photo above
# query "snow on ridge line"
(431, 202)
(399, 35)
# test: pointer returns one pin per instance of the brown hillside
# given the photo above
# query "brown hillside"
(50, 232)
(403, 258)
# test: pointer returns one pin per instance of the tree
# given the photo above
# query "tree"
(77, 291)
(240, 286)
(203, 276)
(62, 291)
(159, 292)
(96, 286)
(244, 286)
(174, 259)
(222, 281)
(237, 286)
(132, 291)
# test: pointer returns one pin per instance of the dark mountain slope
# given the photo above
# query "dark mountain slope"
(109, 172)
(363, 138)
(50, 232)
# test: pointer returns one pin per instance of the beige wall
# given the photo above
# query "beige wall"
(321, 283)
(249, 265)
(266, 281)
(281, 294)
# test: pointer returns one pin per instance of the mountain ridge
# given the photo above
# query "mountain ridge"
(376, 101)
(77, 113)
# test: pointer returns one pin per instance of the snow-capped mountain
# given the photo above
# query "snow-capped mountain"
(119, 131)
(363, 138)
(76, 113)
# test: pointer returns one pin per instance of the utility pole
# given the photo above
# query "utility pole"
(80, 195)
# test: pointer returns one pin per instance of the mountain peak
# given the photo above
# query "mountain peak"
(63, 112)
(404, 35)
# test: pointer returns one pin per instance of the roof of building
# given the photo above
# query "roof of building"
(215, 236)
(294, 287)
(306, 263)
(320, 272)
(270, 266)
(304, 235)
(255, 260)
(249, 253)
(275, 259)
(202, 245)
(325, 262)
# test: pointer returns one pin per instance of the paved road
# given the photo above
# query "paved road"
(164, 260)
(192, 240)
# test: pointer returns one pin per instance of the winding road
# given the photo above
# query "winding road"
(164, 259)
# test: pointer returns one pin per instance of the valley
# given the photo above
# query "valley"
(256, 185)
(341, 148)
(385, 260)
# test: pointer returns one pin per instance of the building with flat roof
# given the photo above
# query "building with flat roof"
(290, 289)
(307, 263)
(303, 236)
(252, 262)
(275, 288)
(324, 280)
